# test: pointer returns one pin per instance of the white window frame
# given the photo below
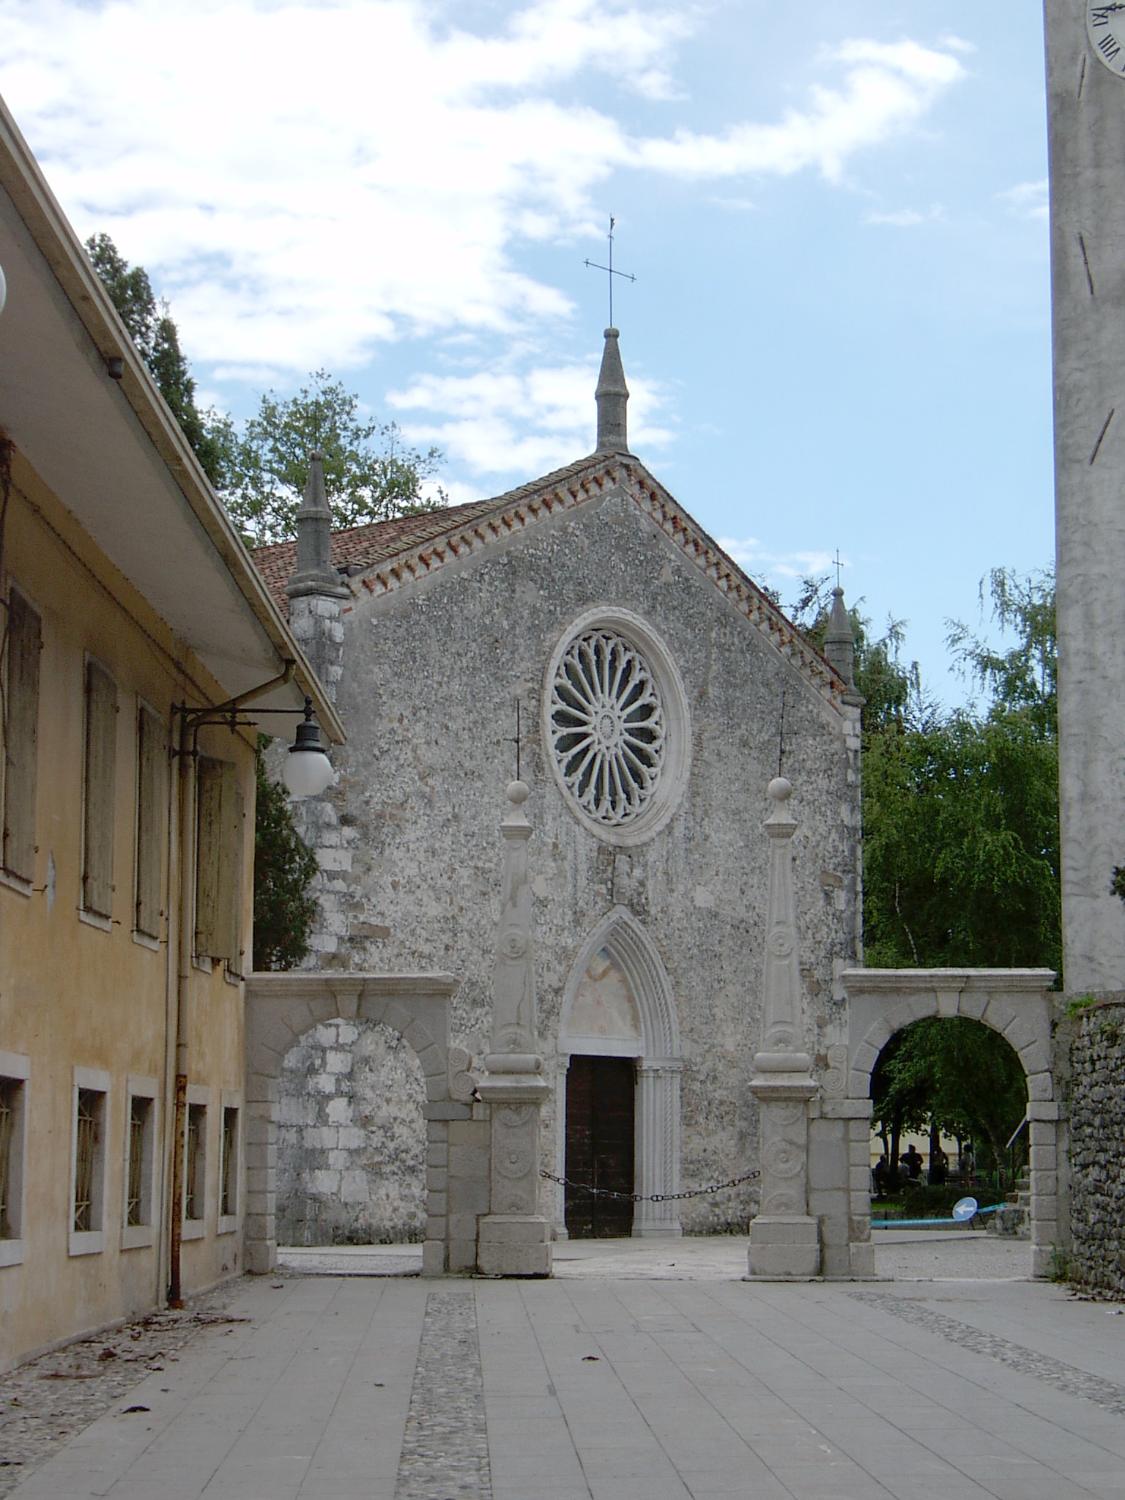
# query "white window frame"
(228, 1223)
(140, 1236)
(194, 1229)
(89, 1241)
(16, 1068)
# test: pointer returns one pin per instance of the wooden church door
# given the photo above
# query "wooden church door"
(599, 1145)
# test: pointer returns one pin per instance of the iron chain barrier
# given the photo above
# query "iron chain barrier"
(714, 1187)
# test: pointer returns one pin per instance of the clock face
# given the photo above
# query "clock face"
(1105, 25)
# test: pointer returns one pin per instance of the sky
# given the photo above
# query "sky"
(838, 338)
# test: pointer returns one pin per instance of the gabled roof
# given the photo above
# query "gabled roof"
(388, 555)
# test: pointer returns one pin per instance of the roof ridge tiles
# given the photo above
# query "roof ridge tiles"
(402, 548)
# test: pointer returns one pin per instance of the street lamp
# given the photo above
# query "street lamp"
(307, 770)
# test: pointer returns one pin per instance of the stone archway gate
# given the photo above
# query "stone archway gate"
(1017, 1003)
(280, 1008)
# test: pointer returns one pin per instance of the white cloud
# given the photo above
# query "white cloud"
(778, 569)
(1028, 200)
(884, 89)
(907, 218)
(520, 421)
(309, 180)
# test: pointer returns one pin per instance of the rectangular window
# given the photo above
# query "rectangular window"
(195, 1162)
(151, 822)
(140, 1162)
(19, 767)
(140, 1110)
(14, 1073)
(98, 792)
(218, 886)
(91, 1098)
(229, 1167)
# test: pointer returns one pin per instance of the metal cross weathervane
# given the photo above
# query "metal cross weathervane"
(592, 265)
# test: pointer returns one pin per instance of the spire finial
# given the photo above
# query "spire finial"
(839, 638)
(611, 395)
(315, 573)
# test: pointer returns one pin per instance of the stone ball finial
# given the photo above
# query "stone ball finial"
(780, 789)
(518, 792)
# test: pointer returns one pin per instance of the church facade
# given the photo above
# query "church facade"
(651, 691)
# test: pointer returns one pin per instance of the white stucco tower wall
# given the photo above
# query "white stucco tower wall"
(1086, 112)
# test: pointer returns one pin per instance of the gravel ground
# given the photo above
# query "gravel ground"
(50, 1399)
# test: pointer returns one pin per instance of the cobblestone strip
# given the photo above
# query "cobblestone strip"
(1075, 1382)
(445, 1443)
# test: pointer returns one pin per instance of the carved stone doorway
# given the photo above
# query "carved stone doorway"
(619, 1005)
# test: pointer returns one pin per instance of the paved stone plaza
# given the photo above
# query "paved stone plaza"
(686, 1383)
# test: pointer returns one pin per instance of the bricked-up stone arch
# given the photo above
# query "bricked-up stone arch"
(1016, 1003)
(280, 1008)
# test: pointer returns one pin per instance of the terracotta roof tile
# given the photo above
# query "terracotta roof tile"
(362, 547)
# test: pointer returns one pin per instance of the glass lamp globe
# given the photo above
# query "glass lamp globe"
(307, 770)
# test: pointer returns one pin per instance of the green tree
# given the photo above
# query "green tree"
(284, 869)
(954, 1076)
(157, 338)
(369, 474)
(1022, 677)
(961, 841)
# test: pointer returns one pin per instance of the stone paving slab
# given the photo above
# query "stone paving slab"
(600, 1388)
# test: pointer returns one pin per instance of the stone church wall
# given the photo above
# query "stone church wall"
(408, 839)
(1097, 1129)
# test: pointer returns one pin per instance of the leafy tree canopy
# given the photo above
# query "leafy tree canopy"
(152, 330)
(284, 868)
(369, 474)
(954, 1074)
(1021, 678)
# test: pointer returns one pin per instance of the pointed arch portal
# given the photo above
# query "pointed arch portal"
(618, 1003)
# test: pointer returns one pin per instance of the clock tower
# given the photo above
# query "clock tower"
(1086, 121)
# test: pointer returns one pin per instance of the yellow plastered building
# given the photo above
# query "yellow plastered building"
(129, 612)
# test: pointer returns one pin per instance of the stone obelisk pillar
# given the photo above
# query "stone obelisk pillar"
(784, 1239)
(514, 1237)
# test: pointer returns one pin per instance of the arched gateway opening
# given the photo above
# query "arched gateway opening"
(1015, 1003)
(283, 1008)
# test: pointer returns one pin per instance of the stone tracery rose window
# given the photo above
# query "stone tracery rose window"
(607, 726)
(616, 720)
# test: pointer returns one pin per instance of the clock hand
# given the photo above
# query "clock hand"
(1107, 10)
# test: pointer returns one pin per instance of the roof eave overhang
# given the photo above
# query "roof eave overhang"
(115, 456)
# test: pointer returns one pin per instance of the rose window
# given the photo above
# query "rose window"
(607, 726)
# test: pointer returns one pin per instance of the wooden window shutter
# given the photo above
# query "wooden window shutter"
(101, 745)
(21, 748)
(151, 820)
(218, 905)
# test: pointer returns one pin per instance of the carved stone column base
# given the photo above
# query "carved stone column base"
(784, 1247)
(514, 1245)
